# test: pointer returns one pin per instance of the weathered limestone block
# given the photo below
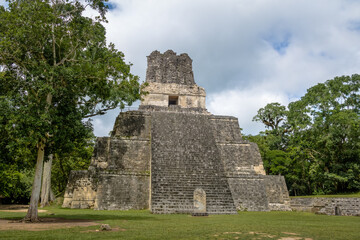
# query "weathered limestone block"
(245, 172)
(226, 129)
(119, 173)
(277, 193)
(329, 206)
(199, 201)
(257, 161)
(170, 81)
(191, 96)
(249, 193)
(239, 156)
(132, 125)
(169, 68)
(122, 191)
(121, 154)
(80, 191)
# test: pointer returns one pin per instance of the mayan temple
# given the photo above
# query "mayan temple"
(173, 156)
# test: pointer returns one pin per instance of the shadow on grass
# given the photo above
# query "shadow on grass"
(87, 215)
(131, 215)
(100, 217)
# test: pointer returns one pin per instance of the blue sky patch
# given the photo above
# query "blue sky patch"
(326, 55)
(110, 5)
(279, 42)
(354, 25)
(3, 3)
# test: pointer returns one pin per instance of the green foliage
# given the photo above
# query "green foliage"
(15, 184)
(317, 147)
(346, 195)
(274, 116)
(15, 161)
(271, 115)
(52, 51)
(56, 69)
(78, 159)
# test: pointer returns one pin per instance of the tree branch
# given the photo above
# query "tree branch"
(99, 112)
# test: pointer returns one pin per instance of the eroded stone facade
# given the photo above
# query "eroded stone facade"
(158, 156)
(328, 206)
(170, 77)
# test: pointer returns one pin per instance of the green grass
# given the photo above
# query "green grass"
(144, 225)
(347, 195)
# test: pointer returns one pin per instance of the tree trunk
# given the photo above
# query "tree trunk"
(32, 214)
(47, 195)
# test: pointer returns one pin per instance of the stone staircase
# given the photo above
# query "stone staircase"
(185, 157)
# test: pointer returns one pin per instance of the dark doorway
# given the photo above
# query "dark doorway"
(337, 211)
(173, 100)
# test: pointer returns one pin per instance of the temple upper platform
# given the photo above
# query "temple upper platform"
(171, 85)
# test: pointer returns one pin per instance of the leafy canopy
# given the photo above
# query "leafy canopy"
(56, 69)
(49, 49)
(319, 138)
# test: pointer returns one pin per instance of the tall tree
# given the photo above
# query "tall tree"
(274, 117)
(329, 131)
(321, 153)
(271, 115)
(56, 67)
(47, 194)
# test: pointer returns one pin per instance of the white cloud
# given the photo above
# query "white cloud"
(244, 105)
(245, 53)
(104, 124)
(4, 3)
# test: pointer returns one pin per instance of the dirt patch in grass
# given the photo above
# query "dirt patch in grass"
(22, 210)
(16, 208)
(259, 236)
(112, 230)
(294, 238)
(45, 224)
(289, 233)
(13, 206)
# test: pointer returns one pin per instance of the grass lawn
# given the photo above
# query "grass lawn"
(144, 225)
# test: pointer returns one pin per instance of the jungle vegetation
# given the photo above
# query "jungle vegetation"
(315, 142)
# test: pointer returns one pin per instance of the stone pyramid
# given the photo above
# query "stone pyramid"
(173, 156)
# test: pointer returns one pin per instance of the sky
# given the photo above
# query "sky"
(246, 53)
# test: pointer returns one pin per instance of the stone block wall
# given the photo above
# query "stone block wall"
(249, 193)
(277, 193)
(128, 148)
(122, 191)
(239, 157)
(132, 125)
(255, 192)
(119, 173)
(170, 76)
(169, 68)
(121, 155)
(251, 189)
(191, 96)
(81, 190)
(226, 129)
(328, 206)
